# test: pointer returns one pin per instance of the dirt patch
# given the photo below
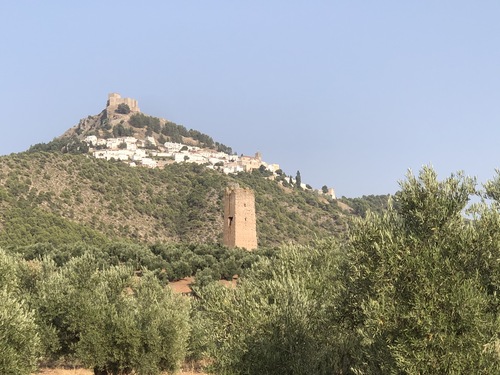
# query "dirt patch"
(182, 285)
(81, 371)
(59, 371)
(344, 207)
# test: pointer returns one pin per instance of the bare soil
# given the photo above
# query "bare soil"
(80, 371)
(59, 371)
(182, 285)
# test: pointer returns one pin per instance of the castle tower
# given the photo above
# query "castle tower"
(240, 228)
(115, 99)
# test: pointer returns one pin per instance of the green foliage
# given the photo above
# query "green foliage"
(168, 261)
(161, 139)
(111, 320)
(19, 336)
(27, 226)
(414, 290)
(65, 145)
(206, 140)
(19, 341)
(279, 318)
(298, 181)
(140, 120)
(94, 199)
(223, 148)
(121, 131)
(143, 330)
(123, 109)
(175, 132)
(417, 295)
(302, 215)
(373, 203)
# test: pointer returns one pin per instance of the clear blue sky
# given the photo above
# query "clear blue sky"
(351, 93)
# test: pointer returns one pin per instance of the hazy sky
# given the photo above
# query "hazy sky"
(351, 93)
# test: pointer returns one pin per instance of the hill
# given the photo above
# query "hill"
(122, 132)
(58, 193)
(47, 197)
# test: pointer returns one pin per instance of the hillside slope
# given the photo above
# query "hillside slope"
(47, 197)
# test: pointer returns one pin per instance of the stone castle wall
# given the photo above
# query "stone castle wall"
(115, 99)
(240, 229)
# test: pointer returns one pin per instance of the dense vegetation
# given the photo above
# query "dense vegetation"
(412, 290)
(127, 124)
(372, 203)
(70, 145)
(174, 132)
(168, 261)
(123, 109)
(64, 198)
(105, 317)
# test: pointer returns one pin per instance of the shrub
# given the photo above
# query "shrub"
(123, 109)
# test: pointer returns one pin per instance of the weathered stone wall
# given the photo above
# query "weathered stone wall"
(240, 229)
(114, 99)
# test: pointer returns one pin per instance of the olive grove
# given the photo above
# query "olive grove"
(411, 291)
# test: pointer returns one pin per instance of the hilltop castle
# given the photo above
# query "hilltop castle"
(239, 218)
(115, 99)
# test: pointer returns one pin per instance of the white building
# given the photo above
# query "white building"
(91, 140)
(113, 154)
(173, 147)
(148, 162)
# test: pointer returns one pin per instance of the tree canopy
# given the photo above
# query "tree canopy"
(409, 290)
(413, 290)
(123, 108)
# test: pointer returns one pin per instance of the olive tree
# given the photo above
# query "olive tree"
(19, 337)
(114, 321)
(279, 318)
(413, 290)
(421, 291)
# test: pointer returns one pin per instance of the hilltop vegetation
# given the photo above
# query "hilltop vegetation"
(139, 125)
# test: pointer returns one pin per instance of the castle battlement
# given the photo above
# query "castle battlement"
(115, 99)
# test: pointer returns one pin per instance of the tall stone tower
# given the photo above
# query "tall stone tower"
(240, 229)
